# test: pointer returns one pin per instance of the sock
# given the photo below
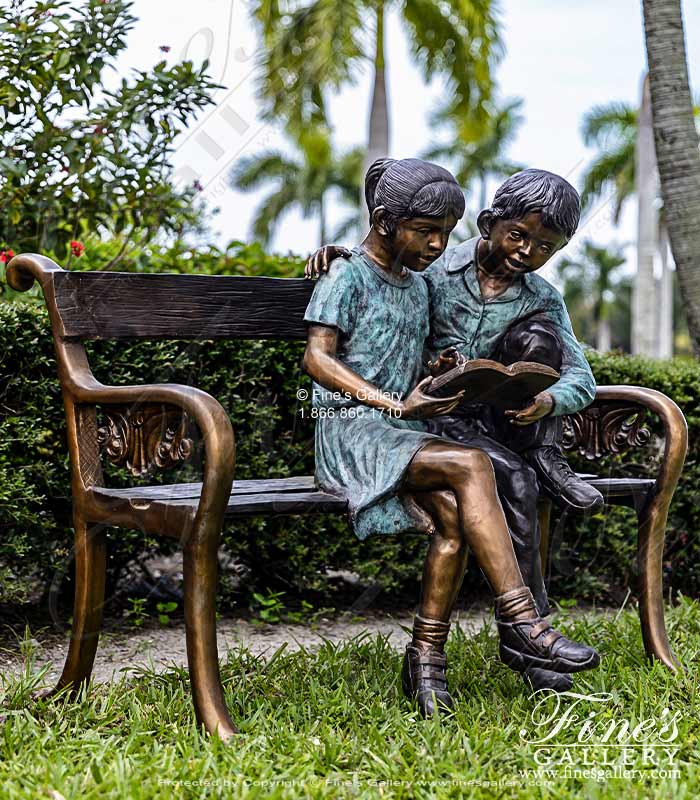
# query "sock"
(516, 606)
(429, 634)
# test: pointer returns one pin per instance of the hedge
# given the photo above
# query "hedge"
(257, 382)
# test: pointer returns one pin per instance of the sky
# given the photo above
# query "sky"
(562, 57)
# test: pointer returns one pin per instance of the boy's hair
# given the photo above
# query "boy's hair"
(410, 188)
(537, 190)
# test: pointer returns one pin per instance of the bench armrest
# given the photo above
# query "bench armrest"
(82, 388)
(674, 425)
(653, 514)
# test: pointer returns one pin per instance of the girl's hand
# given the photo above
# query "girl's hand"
(421, 406)
(541, 406)
(320, 261)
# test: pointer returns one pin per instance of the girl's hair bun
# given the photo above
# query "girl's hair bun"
(374, 173)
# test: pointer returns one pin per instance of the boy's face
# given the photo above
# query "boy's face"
(420, 240)
(517, 246)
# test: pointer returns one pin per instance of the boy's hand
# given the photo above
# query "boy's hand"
(447, 360)
(320, 261)
(541, 406)
(421, 406)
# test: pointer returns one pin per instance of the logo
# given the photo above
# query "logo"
(585, 736)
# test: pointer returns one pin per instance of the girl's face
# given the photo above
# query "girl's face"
(417, 242)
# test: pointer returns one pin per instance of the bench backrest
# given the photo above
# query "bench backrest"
(124, 305)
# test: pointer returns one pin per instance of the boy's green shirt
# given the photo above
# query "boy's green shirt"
(461, 318)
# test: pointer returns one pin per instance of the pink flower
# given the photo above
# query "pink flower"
(165, 48)
(197, 186)
(77, 248)
(6, 255)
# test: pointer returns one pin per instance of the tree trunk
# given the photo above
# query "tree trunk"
(378, 142)
(676, 147)
(601, 313)
(483, 197)
(322, 218)
(644, 335)
(665, 346)
(603, 335)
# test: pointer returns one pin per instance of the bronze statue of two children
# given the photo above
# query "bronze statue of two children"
(396, 311)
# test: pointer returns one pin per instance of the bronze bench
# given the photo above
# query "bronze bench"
(142, 427)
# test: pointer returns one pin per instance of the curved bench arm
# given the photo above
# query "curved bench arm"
(81, 388)
(653, 516)
(25, 268)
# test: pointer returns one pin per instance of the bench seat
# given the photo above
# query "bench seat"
(300, 495)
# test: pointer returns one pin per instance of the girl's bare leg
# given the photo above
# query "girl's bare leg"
(446, 559)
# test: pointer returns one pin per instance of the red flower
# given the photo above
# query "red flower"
(165, 48)
(77, 248)
(6, 255)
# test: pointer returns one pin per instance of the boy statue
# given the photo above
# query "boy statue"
(487, 302)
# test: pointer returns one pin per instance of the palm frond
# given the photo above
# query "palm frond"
(271, 211)
(614, 170)
(614, 121)
(319, 44)
(252, 171)
(457, 38)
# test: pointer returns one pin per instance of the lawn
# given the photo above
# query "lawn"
(333, 723)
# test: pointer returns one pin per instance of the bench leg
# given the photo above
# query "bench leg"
(90, 563)
(650, 550)
(199, 568)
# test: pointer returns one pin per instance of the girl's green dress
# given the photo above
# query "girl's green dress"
(362, 453)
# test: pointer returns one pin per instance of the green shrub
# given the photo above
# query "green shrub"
(256, 382)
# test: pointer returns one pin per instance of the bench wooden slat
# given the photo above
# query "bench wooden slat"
(621, 486)
(118, 305)
(183, 491)
(298, 495)
(285, 503)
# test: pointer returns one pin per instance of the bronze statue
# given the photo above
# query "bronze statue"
(487, 302)
(368, 322)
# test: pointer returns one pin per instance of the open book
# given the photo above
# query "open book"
(486, 381)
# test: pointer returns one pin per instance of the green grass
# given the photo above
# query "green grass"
(333, 723)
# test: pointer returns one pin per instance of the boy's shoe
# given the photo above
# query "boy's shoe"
(537, 679)
(560, 482)
(533, 642)
(424, 679)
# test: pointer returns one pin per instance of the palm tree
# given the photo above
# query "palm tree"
(626, 167)
(303, 179)
(315, 45)
(611, 128)
(475, 147)
(589, 286)
(676, 146)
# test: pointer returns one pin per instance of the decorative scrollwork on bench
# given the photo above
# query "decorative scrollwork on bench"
(600, 430)
(144, 438)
